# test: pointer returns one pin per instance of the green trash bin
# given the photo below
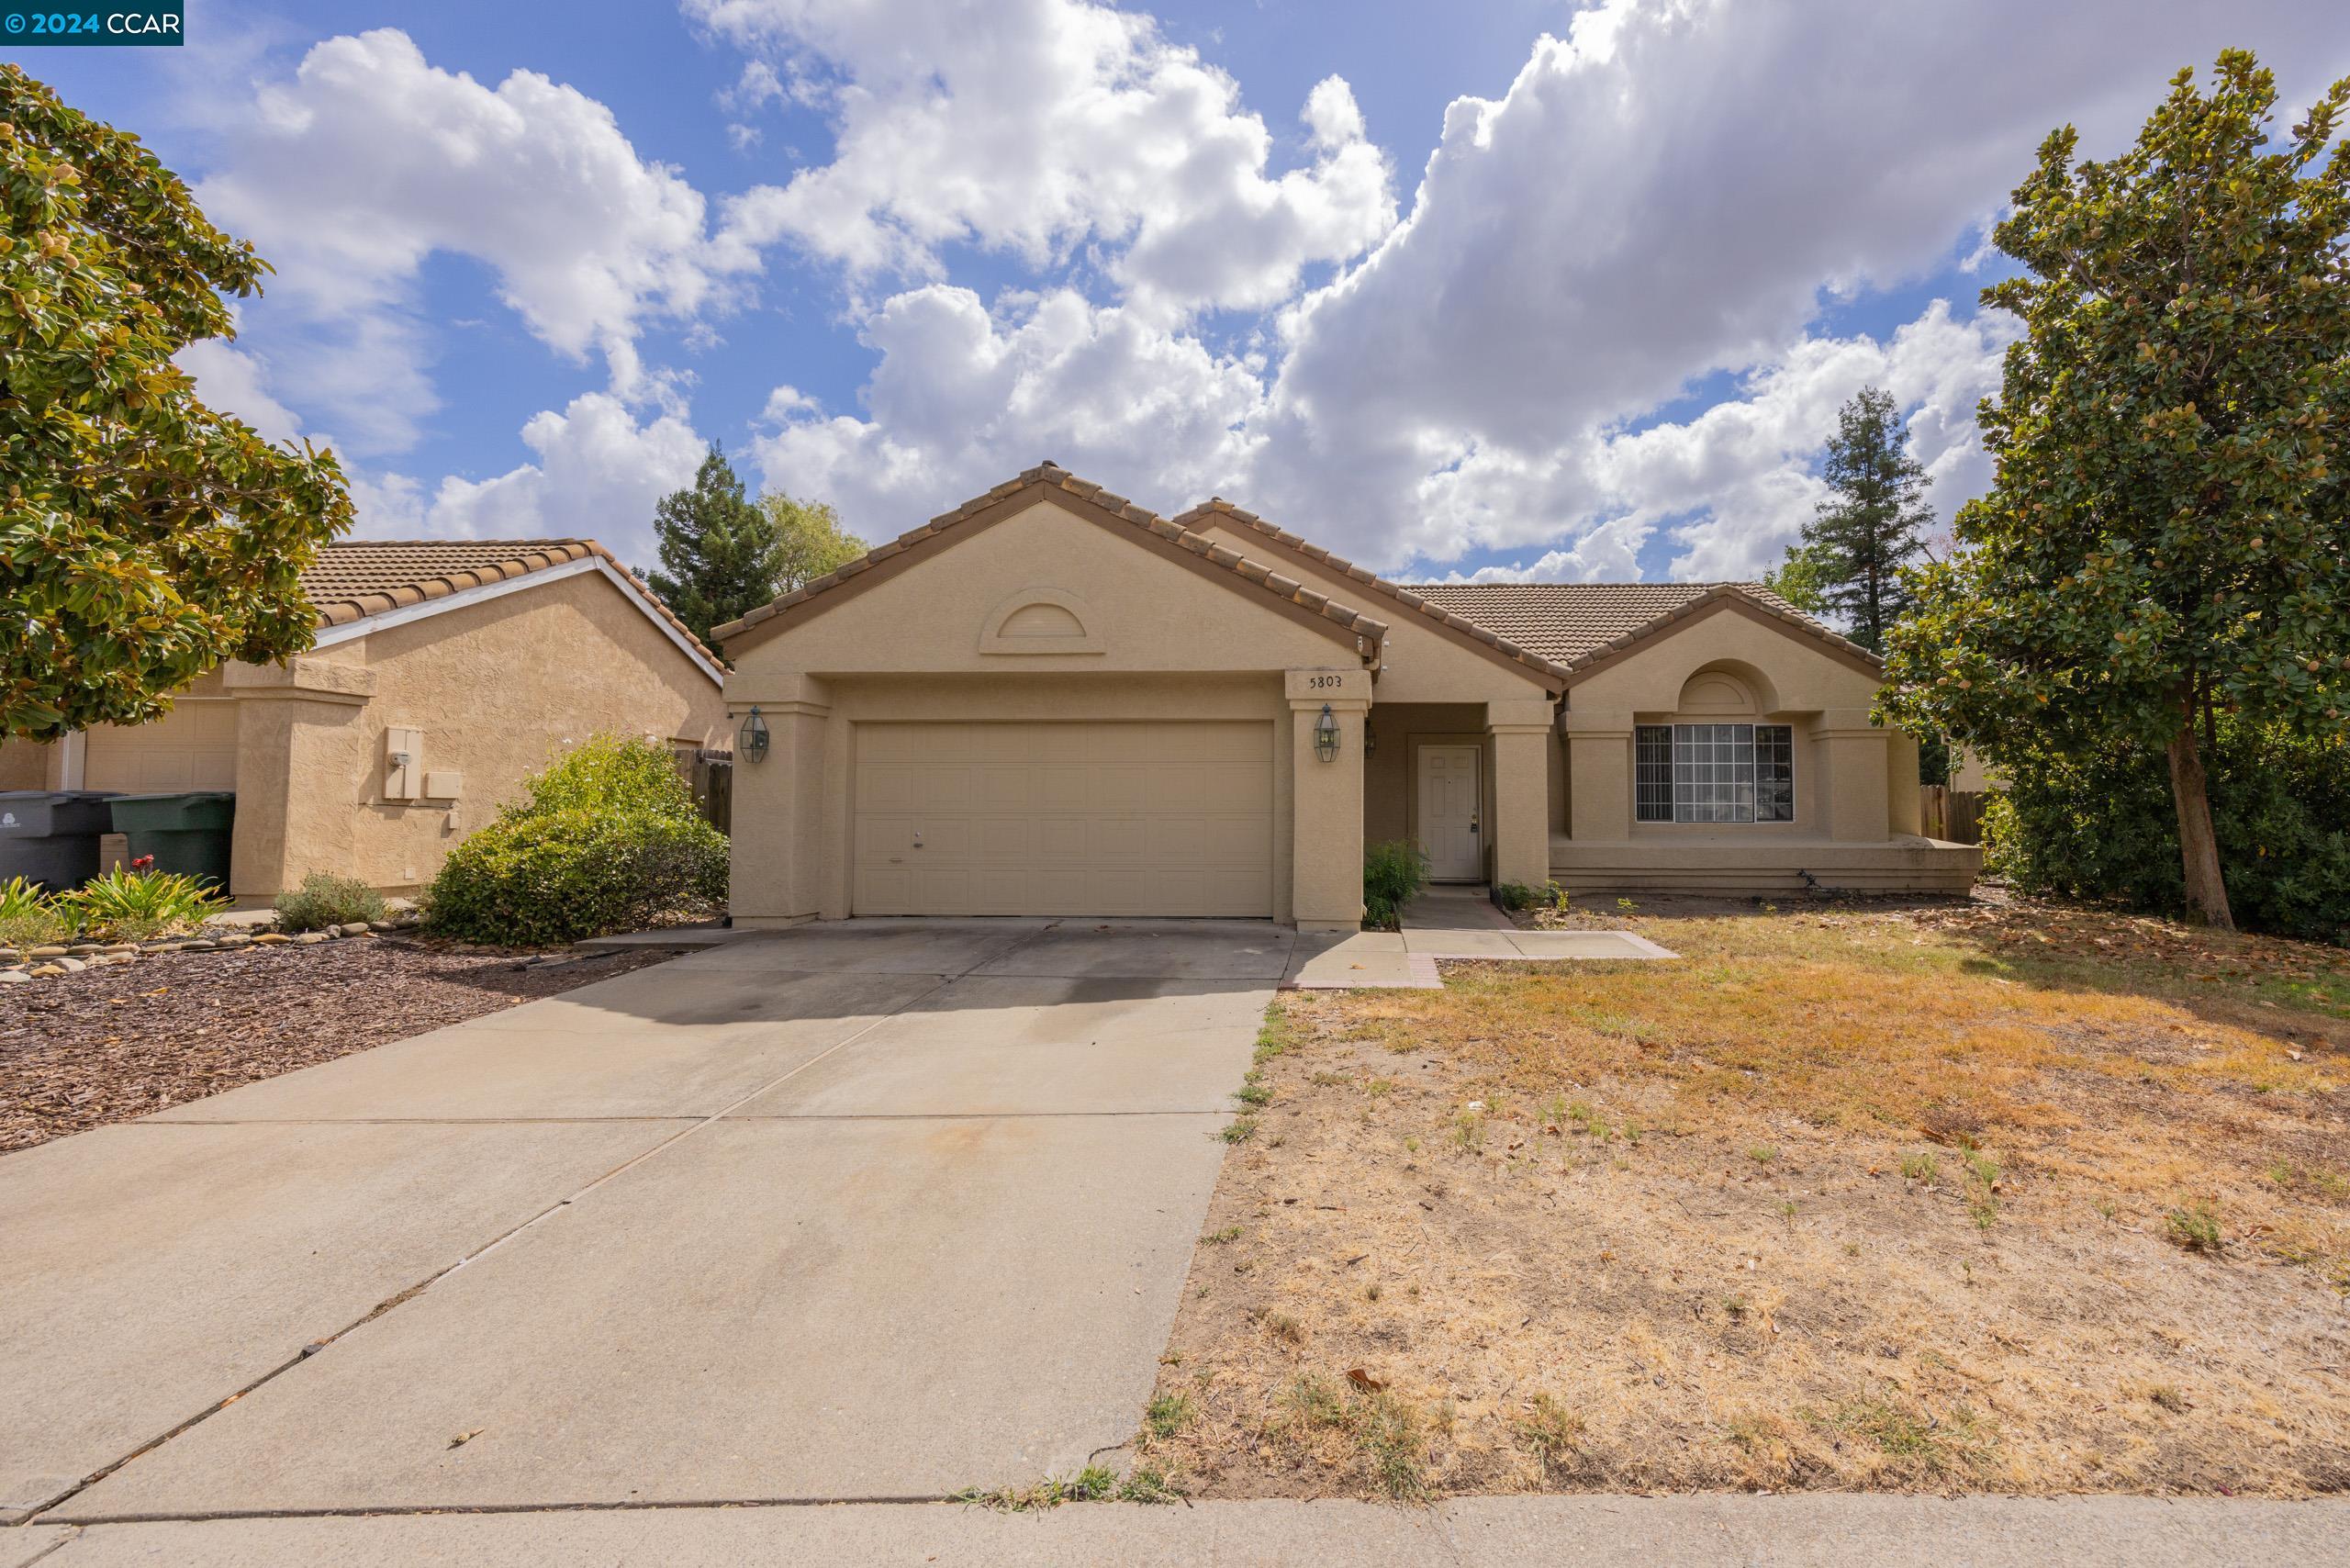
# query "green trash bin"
(188, 833)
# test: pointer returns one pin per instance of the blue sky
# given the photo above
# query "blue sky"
(1506, 290)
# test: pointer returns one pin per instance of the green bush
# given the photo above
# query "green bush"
(2101, 826)
(1393, 875)
(1520, 895)
(323, 900)
(135, 905)
(606, 840)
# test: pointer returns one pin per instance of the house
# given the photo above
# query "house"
(446, 672)
(1050, 700)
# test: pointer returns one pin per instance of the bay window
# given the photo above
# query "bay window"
(1714, 773)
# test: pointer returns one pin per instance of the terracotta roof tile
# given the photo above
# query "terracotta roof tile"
(1255, 575)
(355, 579)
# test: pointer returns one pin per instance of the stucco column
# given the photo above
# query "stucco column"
(776, 872)
(1521, 827)
(300, 771)
(1325, 799)
(1599, 775)
(1853, 771)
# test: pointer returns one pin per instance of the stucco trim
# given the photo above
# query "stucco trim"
(1048, 481)
(1724, 599)
(383, 621)
(1524, 662)
(1086, 640)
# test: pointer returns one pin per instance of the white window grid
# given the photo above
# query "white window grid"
(1714, 773)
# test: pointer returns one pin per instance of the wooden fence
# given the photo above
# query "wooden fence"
(711, 775)
(1953, 815)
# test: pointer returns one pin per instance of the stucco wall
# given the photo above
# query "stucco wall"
(1848, 772)
(500, 689)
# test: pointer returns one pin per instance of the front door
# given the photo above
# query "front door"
(1448, 813)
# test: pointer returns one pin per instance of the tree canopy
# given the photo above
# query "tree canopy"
(144, 538)
(2165, 535)
(1873, 524)
(722, 554)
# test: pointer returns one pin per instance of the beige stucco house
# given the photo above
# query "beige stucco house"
(1050, 700)
(445, 674)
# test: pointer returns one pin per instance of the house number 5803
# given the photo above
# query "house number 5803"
(1318, 681)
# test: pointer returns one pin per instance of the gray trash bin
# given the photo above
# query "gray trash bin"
(51, 836)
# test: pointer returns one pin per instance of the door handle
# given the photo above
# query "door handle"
(1472, 827)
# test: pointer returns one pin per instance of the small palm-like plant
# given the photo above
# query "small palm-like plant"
(27, 917)
(138, 902)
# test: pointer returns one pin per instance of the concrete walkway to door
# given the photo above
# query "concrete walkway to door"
(874, 1210)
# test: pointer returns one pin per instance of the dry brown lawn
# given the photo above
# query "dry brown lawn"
(1990, 1197)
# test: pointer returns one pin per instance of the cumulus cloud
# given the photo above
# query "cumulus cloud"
(961, 397)
(598, 473)
(233, 382)
(1039, 127)
(368, 160)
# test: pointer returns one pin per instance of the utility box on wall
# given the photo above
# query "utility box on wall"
(403, 764)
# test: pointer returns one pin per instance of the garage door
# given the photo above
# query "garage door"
(1065, 819)
(194, 746)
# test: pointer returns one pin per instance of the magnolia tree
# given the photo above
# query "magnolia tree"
(144, 538)
(2165, 537)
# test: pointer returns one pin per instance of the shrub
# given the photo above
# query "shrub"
(1520, 895)
(136, 904)
(608, 839)
(2099, 824)
(1393, 875)
(27, 917)
(323, 900)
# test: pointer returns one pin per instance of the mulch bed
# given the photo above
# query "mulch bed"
(81, 1050)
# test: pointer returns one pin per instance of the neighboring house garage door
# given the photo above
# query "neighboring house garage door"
(194, 746)
(1065, 819)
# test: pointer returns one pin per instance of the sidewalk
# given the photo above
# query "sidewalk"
(1446, 922)
(1797, 1531)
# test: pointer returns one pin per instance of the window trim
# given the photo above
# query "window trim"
(1710, 774)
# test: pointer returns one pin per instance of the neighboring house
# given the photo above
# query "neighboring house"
(445, 674)
(1052, 701)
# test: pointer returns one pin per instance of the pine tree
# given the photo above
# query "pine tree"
(1875, 522)
(720, 557)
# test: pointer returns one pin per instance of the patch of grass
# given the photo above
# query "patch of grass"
(2167, 1397)
(1091, 1485)
(1219, 1237)
(1252, 1094)
(1469, 1131)
(1761, 1154)
(1388, 1433)
(1379, 1088)
(1240, 1130)
(1282, 1327)
(1167, 1415)
(2195, 1229)
(1921, 1167)
(1552, 1432)
(1982, 1188)
(1918, 1439)
(1148, 1484)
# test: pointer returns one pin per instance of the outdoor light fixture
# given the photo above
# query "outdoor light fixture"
(754, 737)
(1325, 736)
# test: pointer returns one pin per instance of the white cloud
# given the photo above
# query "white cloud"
(1663, 195)
(961, 399)
(1040, 126)
(369, 160)
(597, 473)
(232, 381)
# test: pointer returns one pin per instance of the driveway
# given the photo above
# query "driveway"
(868, 1211)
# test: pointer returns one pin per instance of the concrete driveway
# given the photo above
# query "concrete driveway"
(868, 1211)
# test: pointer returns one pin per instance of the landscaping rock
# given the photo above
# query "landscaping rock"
(382, 925)
(354, 928)
(272, 937)
(201, 945)
(124, 948)
(68, 966)
(14, 977)
(83, 950)
(307, 939)
(234, 939)
(46, 952)
(49, 968)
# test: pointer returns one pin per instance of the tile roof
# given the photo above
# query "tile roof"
(1576, 624)
(1051, 475)
(1215, 509)
(355, 579)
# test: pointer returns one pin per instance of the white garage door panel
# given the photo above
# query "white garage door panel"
(1065, 819)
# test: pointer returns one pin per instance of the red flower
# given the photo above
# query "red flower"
(145, 863)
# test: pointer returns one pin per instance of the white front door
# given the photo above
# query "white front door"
(1448, 813)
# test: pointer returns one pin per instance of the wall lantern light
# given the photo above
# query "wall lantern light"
(1325, 736)
(752, 739)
